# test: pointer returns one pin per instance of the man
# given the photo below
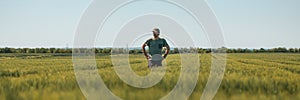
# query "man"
(155, 45)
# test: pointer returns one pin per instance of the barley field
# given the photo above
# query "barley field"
(252, 76)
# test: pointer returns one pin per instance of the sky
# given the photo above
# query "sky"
(245, 23)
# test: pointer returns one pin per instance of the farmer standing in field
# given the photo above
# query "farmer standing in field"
(155, 45)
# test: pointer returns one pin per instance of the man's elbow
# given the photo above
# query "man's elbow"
(143, 46)
(168, 48)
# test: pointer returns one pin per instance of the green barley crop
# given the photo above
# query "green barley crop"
(247, 76)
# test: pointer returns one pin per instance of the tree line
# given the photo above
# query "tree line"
(137, 50)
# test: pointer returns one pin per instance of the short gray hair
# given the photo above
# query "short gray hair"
(157, 30)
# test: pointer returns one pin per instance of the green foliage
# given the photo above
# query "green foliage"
(139, 51)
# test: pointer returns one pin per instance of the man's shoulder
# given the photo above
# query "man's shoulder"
(162, 39)
(150, 39)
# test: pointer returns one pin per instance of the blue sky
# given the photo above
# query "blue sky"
(245, 23)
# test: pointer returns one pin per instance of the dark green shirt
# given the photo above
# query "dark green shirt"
(155, 46)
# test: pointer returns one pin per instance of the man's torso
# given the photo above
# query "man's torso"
(155, 46)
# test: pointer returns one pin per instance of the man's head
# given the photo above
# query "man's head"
(156, 32)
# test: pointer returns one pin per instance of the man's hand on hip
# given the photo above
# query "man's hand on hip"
(147, 57)
(165, 56)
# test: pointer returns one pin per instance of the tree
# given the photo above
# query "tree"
(255, 50)
(19, 50)
(262, 50)
(297, 50)
(200, 50)
(26, 50)
(176, 50)
(106, 50)
(208, 50)
(171, 51)
(1, 50)
(51, 50)
(96, 50)
(69, 50)
(281, 49)
(291, 50)
(247, 50)
(239, 50)
(229, 51)
(42, 50)
(234, 51)
(7, 50)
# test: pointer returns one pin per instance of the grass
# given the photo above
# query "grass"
(247, 76)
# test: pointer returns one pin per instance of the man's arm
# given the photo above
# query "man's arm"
(144, 51)
(167, 51)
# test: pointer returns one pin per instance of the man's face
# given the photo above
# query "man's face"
(155, 34)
